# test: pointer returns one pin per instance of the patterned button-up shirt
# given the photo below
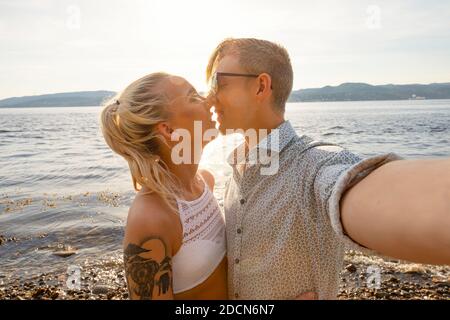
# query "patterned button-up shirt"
(284, 233)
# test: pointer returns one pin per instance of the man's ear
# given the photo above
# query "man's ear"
(264, 85)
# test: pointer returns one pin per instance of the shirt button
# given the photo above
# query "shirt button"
(236, 295)
(239, 230)
(242, 201)
(237, 261)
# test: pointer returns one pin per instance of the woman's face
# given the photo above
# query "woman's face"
(188, 110)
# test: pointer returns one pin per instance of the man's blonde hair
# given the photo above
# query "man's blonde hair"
(259, 56)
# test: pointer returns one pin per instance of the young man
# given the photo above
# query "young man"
(286, 231)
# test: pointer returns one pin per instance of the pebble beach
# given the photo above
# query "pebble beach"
(106, 281)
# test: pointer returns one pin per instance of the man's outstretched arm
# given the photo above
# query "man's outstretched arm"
(402, 210)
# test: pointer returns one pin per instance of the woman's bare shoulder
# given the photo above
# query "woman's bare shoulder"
(150, 216)
(208, 177)
(148, 248)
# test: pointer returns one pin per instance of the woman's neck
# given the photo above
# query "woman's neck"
(185, 173)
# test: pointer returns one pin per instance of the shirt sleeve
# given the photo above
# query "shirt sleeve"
(339, 171)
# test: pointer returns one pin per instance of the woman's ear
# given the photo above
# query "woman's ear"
(165, 130)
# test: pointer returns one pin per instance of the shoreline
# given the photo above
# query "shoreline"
(106, 281)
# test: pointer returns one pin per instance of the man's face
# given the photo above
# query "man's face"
(233, 99)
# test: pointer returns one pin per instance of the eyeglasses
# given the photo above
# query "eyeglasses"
(213, 84)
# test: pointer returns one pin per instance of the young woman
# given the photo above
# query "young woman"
(174, 246)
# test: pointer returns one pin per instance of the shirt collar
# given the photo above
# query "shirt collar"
(274, 143)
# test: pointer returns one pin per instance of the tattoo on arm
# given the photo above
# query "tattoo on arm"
(146, 266)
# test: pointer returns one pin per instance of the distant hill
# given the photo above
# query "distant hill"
(363, 92)
(68, 99)
(343, 92)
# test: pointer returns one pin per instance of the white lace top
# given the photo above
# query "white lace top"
(204, 243)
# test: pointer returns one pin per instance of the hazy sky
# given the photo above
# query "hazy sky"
(49, 46)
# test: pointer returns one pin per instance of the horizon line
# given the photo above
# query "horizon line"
(293, 90)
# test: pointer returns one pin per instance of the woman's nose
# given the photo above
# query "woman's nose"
(210, 101)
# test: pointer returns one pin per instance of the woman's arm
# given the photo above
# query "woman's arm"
(148, 269)
(148, 251)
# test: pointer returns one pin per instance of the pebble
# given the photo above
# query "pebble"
(381, 295)
(64, 254)
(38, 293)
(393, 280)
(66, 251)
(102, 289)
(4, 239)
(351, 268)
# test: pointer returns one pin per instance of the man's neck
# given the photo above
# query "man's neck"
(263, 129)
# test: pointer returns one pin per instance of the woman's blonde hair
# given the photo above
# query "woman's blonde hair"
(128, 124)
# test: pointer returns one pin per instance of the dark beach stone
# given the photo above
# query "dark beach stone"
(351, 268)
(393, 280)
(38, 293)
(442, 291)
(102, 289)
(65, 254)
(444, 285)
